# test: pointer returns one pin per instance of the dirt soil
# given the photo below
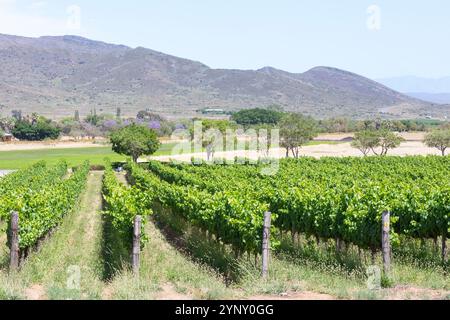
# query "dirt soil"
(397, 293)
(168, 292)
(408, 148)
(415, 293)
(408, 136)
(304, 295)
(19, 146)
(35, 292)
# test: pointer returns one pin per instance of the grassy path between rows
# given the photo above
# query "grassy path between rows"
(166, 273)
(68, 265)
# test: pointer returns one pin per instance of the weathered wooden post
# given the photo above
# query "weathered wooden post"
(136, 244)
(266, 244)
(386, 243)
(14, 254)
(444, 248)
(339, 244)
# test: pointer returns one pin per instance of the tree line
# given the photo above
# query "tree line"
(36, 127)
(139, 135)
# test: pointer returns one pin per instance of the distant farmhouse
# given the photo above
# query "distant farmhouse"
(214, 111)
(7, 137)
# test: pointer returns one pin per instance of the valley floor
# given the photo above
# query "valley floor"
(408, 148)
(20, 155)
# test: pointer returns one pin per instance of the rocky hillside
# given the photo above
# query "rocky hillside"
(57, 75)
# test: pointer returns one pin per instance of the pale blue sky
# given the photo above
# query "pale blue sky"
(293, 35)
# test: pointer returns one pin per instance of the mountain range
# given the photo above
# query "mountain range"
(55, 76)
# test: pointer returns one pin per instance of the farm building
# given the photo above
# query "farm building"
(7, 137)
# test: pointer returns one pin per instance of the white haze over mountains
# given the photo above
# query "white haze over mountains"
(428, 89)
(443, 98)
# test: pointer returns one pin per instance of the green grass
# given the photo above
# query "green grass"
(11, 160)
(76, 245)
(182, 262)
(22, 159)
(243, 276)
(14, 160)
(166, 273)
(305, 268)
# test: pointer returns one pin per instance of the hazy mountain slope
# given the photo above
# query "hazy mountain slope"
(443, 98)
(57, 75)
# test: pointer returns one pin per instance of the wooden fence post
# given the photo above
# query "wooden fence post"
(444, 248)
(266, 244)
(14, 254)
(386, 243)
(136, 244)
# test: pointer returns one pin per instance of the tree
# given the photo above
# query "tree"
(336, 125)
(369, 125)
(7, 124)
(77, 116)
(365, 141)
(368, 140)
(439, 139)
(399, 126)
(135, 141)
(257, 116)
(213, 135)
(90, 130)
(35, 129)
(388, 140)
(17, 114)
(147, 116)
(264, 143)
(67, 124)
(93, 118)
(295, 131)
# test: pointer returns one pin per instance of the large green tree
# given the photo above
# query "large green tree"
(35, 128)
(296, 130)
(135, 141)
(257, 116)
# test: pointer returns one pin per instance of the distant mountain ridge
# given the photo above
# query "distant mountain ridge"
(441, 98)
(418, 84)
(427, 89)
(57, 75)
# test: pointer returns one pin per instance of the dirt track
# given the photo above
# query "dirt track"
(46, 145)
(408, 136)
(317, 151)
(412, 146)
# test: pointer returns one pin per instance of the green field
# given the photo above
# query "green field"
(22, 159)
(11, 160)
